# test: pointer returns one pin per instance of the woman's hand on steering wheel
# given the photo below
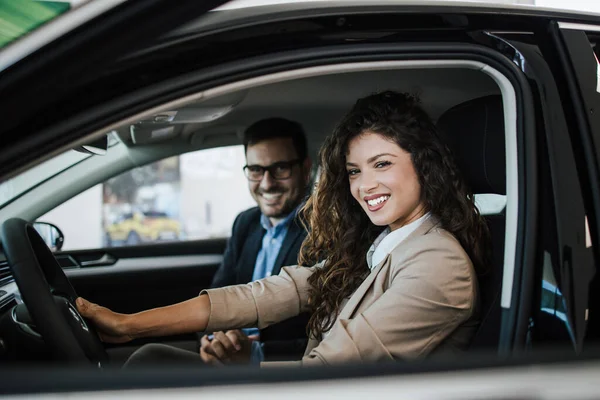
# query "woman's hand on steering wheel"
(110, 325)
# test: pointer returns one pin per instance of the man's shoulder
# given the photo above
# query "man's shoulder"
(250, 216)
(251, 213)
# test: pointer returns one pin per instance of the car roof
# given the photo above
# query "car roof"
(239, 9)
(84, 11)
(508, 4)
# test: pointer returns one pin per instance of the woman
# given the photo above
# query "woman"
(389, 190)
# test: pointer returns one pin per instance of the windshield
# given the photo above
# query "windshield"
(19, 17)
(14, 187)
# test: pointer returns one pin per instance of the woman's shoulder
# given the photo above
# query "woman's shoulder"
(435, 238)
(440, 238)
(432, 250)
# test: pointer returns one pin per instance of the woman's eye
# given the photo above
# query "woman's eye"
(352, 172)
(382, 164)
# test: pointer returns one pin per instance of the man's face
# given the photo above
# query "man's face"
(276, 198)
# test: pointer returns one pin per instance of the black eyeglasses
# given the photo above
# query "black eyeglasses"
(279, 170)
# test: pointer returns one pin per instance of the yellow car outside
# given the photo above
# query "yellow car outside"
(139, 227)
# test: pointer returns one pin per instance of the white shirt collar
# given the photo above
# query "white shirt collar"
(388, 241)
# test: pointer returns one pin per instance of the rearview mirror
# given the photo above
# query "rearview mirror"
(97, 146)
(53, 237)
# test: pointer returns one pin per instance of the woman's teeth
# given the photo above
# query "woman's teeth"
(379, 200)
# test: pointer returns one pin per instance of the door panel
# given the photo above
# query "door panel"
(138, 278)
(136, 284)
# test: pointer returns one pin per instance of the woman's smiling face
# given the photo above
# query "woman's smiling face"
(383, 180)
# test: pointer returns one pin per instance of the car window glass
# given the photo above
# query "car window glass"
(554, 325)
(11, 189)
(595, 42)
(18, 18)
(14, 187)
(189, 197)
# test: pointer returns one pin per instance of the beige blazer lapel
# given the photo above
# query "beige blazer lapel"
(362, 290)
(354, 300)
(425, 227)
(358, 295)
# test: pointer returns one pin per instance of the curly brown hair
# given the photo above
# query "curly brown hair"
(341, 233)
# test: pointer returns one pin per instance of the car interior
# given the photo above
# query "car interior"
(469, 104)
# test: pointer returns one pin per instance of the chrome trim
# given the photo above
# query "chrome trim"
(579, 27)
(26, 328)
(139, 264)
(105, 260)
(75, 314)
(511, 32)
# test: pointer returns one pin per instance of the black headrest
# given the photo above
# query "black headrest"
(474, 131)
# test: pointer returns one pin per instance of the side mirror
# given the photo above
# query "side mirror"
(53, 237)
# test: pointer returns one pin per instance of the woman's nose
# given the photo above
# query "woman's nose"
(368, 183)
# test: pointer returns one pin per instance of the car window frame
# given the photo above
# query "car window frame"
(128, 217)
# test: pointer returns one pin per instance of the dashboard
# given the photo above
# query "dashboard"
(18, 342)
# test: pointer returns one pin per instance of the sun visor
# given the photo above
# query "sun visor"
(152, 133)
(167, 124)
(217, 136)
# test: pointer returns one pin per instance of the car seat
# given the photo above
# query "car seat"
(474, 131)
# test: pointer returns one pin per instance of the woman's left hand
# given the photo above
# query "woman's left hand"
(231, 347)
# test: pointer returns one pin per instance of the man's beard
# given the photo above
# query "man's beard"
(289, 205)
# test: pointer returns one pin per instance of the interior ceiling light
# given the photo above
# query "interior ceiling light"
(207, 110)
(189, 115)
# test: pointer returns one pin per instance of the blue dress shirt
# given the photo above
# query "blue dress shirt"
(265, 262)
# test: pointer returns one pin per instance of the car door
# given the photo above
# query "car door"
(558, 58)
(305, 374)
(576, 61)
(281, 60)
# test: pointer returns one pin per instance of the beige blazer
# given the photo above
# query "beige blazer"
(421, 299)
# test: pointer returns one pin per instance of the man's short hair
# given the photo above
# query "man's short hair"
(272, 128)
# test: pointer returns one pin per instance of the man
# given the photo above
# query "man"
(267, 237)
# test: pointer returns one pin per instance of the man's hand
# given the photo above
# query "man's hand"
(231, 347)
(110, 325)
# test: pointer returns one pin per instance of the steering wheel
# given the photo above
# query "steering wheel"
(49, 299)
